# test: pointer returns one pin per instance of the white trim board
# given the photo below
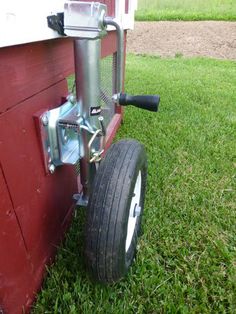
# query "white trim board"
(24, 21)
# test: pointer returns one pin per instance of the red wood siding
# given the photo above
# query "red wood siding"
(28, 69)
(14, 261)
(111, 9)
(39, 202)
(126, 6)
(25, 72)
(34, 208)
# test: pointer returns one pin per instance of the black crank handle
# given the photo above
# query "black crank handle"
(147, 102)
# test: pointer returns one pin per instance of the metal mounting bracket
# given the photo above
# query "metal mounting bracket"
(56, 22)
(84, 19)
(61, 132)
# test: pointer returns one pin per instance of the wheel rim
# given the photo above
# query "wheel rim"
(134, 211)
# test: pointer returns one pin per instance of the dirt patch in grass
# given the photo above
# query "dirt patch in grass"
(208, 39)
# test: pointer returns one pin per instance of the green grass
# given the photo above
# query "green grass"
(187, 10)
(186, 260)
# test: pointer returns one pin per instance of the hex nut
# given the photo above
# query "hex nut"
(51, 168)
(45, 119)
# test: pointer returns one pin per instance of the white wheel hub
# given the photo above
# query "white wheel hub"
(134, 211)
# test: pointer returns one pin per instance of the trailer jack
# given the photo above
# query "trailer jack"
(113, 186)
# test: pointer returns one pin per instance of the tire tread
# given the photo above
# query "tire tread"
(104, 219)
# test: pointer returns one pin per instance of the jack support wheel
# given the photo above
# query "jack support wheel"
(114, 211)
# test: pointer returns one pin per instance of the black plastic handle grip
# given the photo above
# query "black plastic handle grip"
(148, 102)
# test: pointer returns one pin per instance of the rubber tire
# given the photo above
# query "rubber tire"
(108, 211)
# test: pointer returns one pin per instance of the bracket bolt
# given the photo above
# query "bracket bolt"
(45, 119)
(51, 168)
(65, 138)
(71, 98)
(115, 98)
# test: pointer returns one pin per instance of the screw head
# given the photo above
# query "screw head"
(51, 168)
(72, 99)
(44, 119)
(65, 138)
(115, 98)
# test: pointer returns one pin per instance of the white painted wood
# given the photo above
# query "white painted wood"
(24, 21)
(127, 20)
(120, 9)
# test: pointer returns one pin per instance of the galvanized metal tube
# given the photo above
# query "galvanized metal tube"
(120, 52)
(87, 78)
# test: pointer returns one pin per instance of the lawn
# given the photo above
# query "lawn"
(186, 261)
(187, 10)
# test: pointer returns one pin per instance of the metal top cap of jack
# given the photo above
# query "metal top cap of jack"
(84, 19)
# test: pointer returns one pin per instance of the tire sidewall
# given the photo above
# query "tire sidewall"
(109, 209)
(140, 165)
